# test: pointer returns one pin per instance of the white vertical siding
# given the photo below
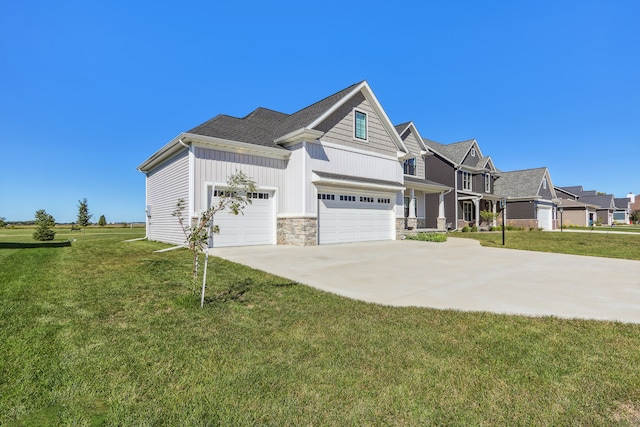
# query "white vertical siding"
(165, 185)
(344, 161)
(291, 200)
(216, 166)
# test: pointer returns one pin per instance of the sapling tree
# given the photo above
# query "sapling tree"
(102, 221)
(44, 225)
(198, 230)
(83, 214)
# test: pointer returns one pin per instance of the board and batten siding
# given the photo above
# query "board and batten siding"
(338, 128)
(344, 161)
(214, 166)
(414, 147)
(166, 184)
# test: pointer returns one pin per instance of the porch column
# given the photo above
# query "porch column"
(412, 204)
(493, 222)
(441, 220)
(476, 202)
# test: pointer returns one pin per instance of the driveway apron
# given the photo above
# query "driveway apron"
(458, 274)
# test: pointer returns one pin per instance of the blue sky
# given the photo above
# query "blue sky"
(89, 90)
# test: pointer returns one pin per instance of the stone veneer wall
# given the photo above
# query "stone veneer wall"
(399, 228)
(297, 231)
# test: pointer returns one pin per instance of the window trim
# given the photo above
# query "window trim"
(465, 181)
(471, 210)
(487, 183)
(366, 125)
(473, 151)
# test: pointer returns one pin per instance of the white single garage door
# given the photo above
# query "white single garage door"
(255, 227)
(545, 217)
(354, 217)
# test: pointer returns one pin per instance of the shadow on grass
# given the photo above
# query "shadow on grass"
(12, 245)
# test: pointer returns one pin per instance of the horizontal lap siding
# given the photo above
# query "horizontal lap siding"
(414, 148)
(338, 128)
(216, 166)
(165, 185)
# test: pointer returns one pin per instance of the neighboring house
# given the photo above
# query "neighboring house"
(530, 198)
(571, 211)
(418, 187)
(463, 167)
(604, 202)
(622, 210)
(634, 202)
(331, 172)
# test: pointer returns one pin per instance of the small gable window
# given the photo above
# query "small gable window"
(473, 151)
(544, 183)
(487, 183)
(360, 125)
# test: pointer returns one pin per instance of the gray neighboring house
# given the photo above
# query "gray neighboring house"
(472, 176)
(530, 197)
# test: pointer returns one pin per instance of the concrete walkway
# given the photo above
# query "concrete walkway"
(459, 274)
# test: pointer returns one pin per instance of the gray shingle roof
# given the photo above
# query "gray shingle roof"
(621, 202)
(455, 152)
(307, 115)
(575, 189)
(605, 201)
(262, 126)
(520, 184)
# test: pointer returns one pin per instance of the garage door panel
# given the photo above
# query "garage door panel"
(254, 226)
(342, 221)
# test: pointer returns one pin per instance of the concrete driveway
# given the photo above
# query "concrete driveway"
(459, 274)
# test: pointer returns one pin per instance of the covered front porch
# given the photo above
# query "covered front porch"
(471, 206)
(415, 208)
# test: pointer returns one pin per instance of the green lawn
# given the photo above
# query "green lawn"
(610, 245)
(108, 333)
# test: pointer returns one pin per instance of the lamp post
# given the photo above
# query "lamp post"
(561, 210)
(503, 203)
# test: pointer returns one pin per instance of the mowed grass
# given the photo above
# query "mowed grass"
(108, 333)
(610, 245)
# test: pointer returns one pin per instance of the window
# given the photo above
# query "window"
(410, 166)
(323, 196)
(466, 180)
(346, 198)
(360, 125)
(473, 151)
(487, 183)
(544, 183)
(384, 200)
(365, 199)
(467, 211)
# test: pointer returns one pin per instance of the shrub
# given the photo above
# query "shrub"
(496, 228)
(428, 237)
(474, 229)
(465, 229)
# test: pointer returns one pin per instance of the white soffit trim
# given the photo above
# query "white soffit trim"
(347, 183)
(236, 146)
(302, 134)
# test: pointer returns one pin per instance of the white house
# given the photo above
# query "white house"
(329, 173)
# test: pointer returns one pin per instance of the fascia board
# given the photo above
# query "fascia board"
(236, 146)
(426, 187)
(345, 183)
(418, 137)
(162, 154)
(302, 134)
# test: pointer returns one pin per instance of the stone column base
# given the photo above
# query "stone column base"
(412, 223)
(441, 224)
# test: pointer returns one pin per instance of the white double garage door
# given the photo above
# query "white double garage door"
(343, 216)
(349, 216)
